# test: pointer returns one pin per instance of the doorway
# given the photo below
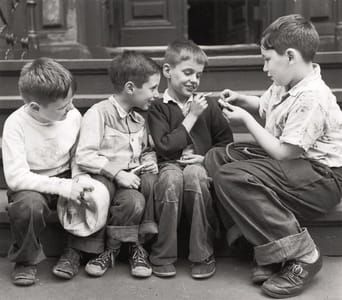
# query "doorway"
(224, 22)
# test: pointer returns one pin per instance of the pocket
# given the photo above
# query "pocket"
(113, 139)
(299, 172)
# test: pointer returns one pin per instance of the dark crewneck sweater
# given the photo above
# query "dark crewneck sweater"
(170, 136)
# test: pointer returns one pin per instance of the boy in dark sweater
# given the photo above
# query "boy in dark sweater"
(184, 126)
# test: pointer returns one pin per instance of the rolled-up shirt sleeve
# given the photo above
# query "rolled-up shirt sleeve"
(264, 102)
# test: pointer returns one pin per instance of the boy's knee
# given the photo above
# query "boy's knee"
(194, 172)
(170, 180)
(26, 204)
(231, 176)
(195, 178)
(131, 201)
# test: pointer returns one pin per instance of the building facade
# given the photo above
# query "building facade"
(100, 28)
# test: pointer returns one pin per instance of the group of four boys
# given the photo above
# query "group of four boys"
(180, 140)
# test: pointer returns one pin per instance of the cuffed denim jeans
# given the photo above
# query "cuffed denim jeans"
(185, 188)
(131, 214)
(28, 211)
(267, 197)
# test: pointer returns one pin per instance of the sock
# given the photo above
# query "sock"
(309, 258)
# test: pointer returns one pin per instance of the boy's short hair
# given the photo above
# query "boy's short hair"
(182, 50)
(45, 81)
(292, 31)
(131, 66)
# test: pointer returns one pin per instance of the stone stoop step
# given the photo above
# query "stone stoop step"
(326, 231)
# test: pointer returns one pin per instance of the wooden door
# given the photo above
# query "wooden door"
(148, 22)
(321, 12)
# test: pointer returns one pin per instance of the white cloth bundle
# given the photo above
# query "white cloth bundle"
(90, 215)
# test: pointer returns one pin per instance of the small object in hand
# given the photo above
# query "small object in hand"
(202, 94)
(222, 103)
(182, 159)
(138, 169)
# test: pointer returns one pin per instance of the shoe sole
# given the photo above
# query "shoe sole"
(203, 276)
(23, 282)
(281, 296)
(260, 279)
(95, 274)
(140, 275)
(164, 275)
(63, 275)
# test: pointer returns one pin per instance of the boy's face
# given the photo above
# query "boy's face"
(56, 111)
(277, 66)
(183, 78)
(143, 96)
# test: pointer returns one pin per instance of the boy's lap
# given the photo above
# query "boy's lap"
(32, 198)
(294, 173)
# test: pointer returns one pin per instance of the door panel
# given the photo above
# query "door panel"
(149, 22)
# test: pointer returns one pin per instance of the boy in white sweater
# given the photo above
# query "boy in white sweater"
(39, 141)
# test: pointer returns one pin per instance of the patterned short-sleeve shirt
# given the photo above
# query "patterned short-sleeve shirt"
(308, 116)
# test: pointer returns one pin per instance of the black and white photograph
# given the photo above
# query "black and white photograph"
(170, 149)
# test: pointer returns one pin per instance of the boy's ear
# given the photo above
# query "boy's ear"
(129, 87)
(292, 55)
(166, 70)
(34, 106)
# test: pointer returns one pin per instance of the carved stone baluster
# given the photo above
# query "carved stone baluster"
(31, 25)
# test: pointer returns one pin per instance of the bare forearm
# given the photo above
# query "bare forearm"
(249, 103)
(272, 145)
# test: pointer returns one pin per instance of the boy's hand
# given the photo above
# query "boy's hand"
(228, 96)
(150, 167)
(127, 180)
(78, 189)
(234, 113)
(190, 159)
(198, 105)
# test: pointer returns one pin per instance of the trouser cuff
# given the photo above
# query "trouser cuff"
(86, 244)
(147, 230)
(287, 248)
(123, 233)
(26, 256)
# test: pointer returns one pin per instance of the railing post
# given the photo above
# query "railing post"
(33, 40)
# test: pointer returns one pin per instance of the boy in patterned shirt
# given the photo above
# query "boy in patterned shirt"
(301, 175)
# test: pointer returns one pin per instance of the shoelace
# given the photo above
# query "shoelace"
(139, 256)
(104, 258)
(208, 261)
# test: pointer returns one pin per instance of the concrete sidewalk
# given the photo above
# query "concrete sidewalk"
(231, 282)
